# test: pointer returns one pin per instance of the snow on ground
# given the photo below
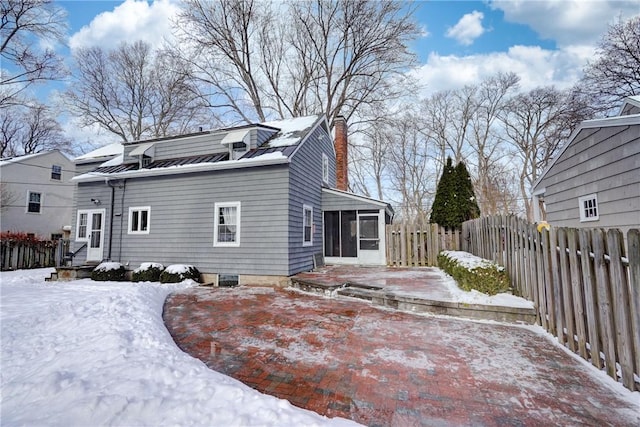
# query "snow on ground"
(468, 260)
(97, 353)
(108, 266)
(475, 297)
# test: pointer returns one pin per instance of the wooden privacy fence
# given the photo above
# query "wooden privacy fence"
(585, 287)
(16, 255)
(418, 244)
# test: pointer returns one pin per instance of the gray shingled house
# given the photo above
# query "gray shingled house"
(594, 181)
(258, 201)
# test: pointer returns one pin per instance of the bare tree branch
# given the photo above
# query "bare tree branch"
(24, 24)
(134, 92)
(30, 129)
(331, 56)
(615, 72)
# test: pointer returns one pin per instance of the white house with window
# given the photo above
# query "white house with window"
(594, 181)
(37, 194)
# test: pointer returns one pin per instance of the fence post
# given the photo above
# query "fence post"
(565, 287)
(558, 298)
(577, 292)
(621, 313)
(548, 279)
(604, 302)
(590, 296)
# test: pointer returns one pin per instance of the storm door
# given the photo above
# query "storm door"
(369, 239)
(95, 235)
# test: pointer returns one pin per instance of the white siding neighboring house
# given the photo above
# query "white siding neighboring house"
(594, 181)
(38, 194)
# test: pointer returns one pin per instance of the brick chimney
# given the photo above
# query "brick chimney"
(342, 160)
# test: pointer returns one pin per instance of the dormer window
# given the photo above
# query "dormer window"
(144, 153)
(238, 143)
(238, 149)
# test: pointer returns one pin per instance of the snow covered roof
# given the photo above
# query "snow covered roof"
(109, 150)
(9, 160)
(17, 159)
(287, 137)
(358, 197)
(128, 171)
(291, 130)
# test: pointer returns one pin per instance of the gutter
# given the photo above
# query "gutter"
(178, 170)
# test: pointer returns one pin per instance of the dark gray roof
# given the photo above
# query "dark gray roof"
(286, 151)
(192, 160)
(207, 158)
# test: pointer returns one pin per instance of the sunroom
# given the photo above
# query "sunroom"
(354, 228)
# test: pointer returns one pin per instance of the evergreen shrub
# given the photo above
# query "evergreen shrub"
(486, 277)
(147, 272)
(455, 201)
(177, 273)
(109, 271)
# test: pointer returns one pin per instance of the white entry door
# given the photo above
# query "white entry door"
(95, 234)
(370, 249)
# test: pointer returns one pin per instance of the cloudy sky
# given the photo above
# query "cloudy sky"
(543, 41)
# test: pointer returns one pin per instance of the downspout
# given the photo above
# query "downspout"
(112, 184)
(124, 187)
(108, 182)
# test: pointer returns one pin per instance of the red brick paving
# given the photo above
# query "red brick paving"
(343, 357)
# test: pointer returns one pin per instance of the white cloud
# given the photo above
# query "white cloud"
(85, 138)
(468, 28)
(130, 21)
(535, 67)
(567, 21)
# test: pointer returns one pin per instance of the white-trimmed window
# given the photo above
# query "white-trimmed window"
(139, 219)
(307, 225)
(81, 227)
(238, 149)
(588, 208)
(325, 168)
(34, 202)
(226, 231)
(56, 172)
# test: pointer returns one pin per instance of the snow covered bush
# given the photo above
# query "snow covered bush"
(178, 272)
(108, 271)
(147, 272)
(472, 272)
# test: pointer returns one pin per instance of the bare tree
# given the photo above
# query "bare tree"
(222, 37)
(24, 25)
(536, 123)
(615, 72)
(134, 92)
(500, 190)
(411, 167)
(484, 138)
(27, 130)
(447, 116)
(328, 56)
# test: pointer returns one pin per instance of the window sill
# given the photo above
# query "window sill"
(590, 219)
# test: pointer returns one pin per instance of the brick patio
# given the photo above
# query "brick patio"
(345, 357)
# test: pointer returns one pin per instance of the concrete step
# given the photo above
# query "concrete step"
(378, 296)
(74, 273)
(52, 278)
